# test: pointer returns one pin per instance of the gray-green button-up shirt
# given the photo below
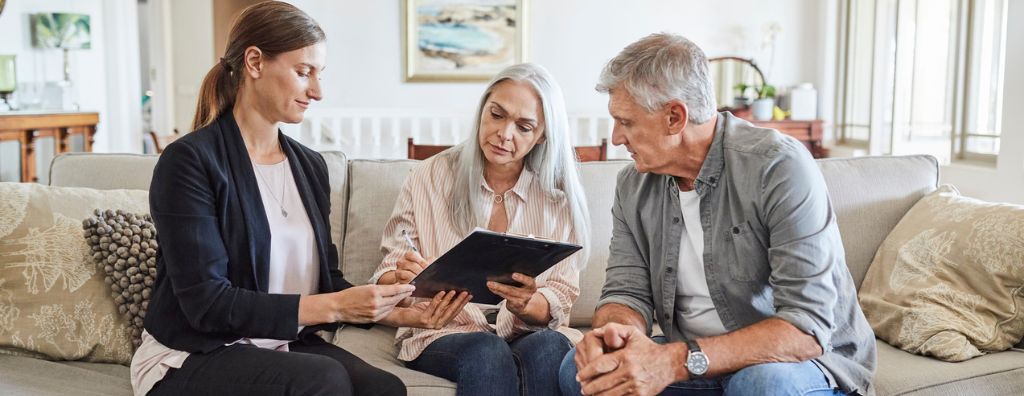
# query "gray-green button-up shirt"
(771, 247)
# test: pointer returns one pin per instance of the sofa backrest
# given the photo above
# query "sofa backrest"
(869, 195)
(102, 171)
(373, 188)
(135, 171)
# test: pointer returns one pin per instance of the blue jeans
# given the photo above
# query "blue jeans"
(763, 379)
(485, 364)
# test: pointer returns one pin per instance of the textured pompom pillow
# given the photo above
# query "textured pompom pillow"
(124, 248)
(53, 301)
(947, 281)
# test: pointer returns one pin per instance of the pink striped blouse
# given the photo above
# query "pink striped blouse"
(422, 210)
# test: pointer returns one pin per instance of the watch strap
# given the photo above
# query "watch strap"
(692, 346)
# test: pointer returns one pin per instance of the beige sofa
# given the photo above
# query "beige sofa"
(870, 195)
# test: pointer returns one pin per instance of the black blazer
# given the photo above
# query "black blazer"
(212, 269)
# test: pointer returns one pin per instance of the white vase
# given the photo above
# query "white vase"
(761, 110)
(803, 102)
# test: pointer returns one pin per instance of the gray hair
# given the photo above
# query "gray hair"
(553, 161)
(660, 68)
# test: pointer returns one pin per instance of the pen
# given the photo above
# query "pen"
(409, 241)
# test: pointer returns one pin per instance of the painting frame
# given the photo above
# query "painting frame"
(414, 70)
(61, 30)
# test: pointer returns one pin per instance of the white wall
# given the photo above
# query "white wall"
(191, 55)
(572, 38)
(1005, 182)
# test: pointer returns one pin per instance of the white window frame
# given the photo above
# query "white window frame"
(964, 96)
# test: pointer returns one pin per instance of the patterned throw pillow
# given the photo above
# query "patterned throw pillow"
(124, 247)
(53, 302)
(948, 281)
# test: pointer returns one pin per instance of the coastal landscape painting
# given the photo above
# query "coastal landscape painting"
(462, 40)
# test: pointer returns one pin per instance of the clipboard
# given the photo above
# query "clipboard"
(486, 255)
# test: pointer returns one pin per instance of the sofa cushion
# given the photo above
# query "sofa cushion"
(337, 172)
(28, 376)
(373, 189)
(947, 281)
(598, 180)
(870, 195)
(377, 347)
(53, 301)
(902, 373)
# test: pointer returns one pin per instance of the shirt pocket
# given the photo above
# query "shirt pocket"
(745, 255)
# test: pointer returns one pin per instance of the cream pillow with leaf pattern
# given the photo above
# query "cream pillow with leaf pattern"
(54, 303)
(948, 281)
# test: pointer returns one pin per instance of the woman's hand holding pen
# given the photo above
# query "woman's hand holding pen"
(410, 265)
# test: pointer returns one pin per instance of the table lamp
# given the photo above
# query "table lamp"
(8, 80)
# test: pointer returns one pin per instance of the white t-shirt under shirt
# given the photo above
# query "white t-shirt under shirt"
(695, 313)
(294, 269)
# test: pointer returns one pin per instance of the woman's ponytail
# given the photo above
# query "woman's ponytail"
(216, 95)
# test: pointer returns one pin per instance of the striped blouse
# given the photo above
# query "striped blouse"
(421, 209)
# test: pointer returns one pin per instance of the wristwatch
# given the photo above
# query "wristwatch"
(696, 361)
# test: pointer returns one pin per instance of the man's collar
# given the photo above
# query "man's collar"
(711, 170)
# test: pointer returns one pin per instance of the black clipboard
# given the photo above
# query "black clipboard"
(489, 256)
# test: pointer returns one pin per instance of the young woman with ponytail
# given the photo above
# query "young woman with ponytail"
(247, 273)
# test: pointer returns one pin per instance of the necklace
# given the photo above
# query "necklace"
(280, 202)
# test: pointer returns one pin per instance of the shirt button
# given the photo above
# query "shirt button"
(669, 270)
(675, 220)
(736, 230)
(666, 316)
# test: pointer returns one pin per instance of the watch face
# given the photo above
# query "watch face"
(697, 363)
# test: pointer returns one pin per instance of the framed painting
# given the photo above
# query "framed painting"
(462, 40)
(61, 30)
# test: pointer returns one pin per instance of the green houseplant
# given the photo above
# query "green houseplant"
(762, 108)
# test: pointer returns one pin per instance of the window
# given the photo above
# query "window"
(922, 77)
(984, 105)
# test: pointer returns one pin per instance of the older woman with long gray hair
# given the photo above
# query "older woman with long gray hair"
(516, 174)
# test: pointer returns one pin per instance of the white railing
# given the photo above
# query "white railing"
(383, 133)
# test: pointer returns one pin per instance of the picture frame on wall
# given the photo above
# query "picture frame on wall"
(462, 40)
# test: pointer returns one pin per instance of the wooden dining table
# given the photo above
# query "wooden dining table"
(26, 127)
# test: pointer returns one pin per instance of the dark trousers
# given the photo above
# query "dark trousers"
(484, 364)
(312, 367)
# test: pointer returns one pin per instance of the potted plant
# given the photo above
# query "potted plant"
(762, 108)
(741, 100)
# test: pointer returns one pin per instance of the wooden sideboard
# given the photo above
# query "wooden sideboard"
(26, 127)
(807, 132)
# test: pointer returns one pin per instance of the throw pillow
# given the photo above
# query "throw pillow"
(947, 281)
(124, 247)
(53, 302)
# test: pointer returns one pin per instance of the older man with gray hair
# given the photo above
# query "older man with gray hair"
(724, 233)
